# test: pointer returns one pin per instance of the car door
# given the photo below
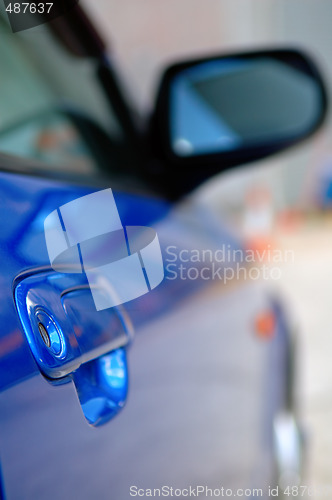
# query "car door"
(203, 389)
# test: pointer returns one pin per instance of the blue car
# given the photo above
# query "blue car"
(173, 377)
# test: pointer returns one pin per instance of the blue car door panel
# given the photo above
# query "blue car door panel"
(198, 385)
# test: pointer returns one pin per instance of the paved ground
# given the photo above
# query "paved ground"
(308, 282)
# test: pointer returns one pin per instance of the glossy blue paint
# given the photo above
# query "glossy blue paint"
(167, 354)
(25, 202)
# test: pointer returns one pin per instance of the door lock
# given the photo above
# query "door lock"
(70, 340)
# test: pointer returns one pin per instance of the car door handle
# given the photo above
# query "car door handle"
(71, 341)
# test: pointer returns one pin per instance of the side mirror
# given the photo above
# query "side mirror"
(216, 113)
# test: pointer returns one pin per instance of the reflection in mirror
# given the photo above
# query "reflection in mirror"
(51, 138)
(233, 103)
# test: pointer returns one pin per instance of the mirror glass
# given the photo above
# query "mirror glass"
(234, 103)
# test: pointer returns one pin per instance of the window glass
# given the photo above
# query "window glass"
(38, 80)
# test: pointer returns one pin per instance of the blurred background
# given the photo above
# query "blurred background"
(295, 188)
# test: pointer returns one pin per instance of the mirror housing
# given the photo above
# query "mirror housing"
(216, 113)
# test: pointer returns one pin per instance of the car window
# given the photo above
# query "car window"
(38, 80)
(53, 140)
